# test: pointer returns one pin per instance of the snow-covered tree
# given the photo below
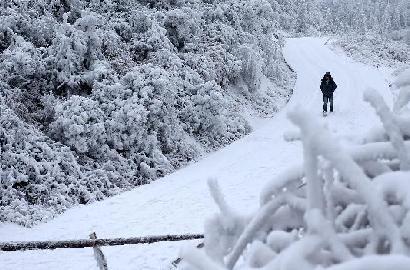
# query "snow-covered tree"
(383, 17)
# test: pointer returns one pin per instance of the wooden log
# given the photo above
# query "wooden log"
(16, 246)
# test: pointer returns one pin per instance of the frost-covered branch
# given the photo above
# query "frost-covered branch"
(396, 262)
(390, 125)
(287, 180)
(354, 175)
(199, 259)
(314, 186)
(317, 223)
(252, 228)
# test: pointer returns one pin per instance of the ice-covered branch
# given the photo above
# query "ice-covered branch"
(403, 83)
(374, 168)
(319, 225)
(353, 174)
(292, 177)
(222, 230)
(199, 259)
(356, 239)
(390, 125)
(347, 217)
(375, 151)
(288, 179)
(256, 223)
(296, 256)
(396, 262)
(314, 182)
(227, 213)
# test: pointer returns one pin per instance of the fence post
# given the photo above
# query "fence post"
(98, 254)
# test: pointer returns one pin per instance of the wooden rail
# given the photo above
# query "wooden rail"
(17, 246)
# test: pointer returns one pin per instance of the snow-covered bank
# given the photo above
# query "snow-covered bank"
(180, 202)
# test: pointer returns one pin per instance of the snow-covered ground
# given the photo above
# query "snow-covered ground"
(179, 203)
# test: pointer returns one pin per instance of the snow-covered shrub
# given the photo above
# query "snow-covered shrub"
(360, 16)
(39, 177)
(372, 30)
(340, 210)
(298, 17)
(75, 57)
(145, 124)
(79, 124)
(213, 123)
(251, 70)
(134, 89)
(24, 72)
(181, 26)
(373, 49)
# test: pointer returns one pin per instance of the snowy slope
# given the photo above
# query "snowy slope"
(180, 202)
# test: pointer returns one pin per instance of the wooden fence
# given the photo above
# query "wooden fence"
(96, 243)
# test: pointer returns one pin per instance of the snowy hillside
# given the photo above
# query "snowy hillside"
(98, 98)
(180, 202)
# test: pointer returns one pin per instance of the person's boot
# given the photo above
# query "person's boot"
(331, 108)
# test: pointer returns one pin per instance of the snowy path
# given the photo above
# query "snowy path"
(180, 202)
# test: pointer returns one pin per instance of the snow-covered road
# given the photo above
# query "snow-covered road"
(179, 203)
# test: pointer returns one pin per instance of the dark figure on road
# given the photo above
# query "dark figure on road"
(328, 86)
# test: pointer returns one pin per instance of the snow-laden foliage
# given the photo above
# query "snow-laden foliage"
(36, 173)
(340, 210)
(387, 18)
(128, 91)
(41, 177)
(372, 49)
(298, 17)
(372, 31)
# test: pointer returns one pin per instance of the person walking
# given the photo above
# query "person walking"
(328, 87)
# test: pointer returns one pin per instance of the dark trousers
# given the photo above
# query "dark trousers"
(327, 99)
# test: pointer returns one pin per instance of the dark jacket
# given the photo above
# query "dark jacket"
(328, 87)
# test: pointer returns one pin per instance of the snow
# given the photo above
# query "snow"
(180, 202)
